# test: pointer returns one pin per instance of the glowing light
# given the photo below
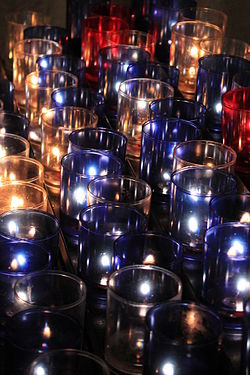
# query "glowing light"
(242, 285)
(168, 369)
(14, 264)
(193, 194)
(21, 259)
(218, 107)
(12, 227)
(145, 288)
(166, 176)
(236, 249)
(32, 232)
(16, 202)
(92, 171)
(150, 259)
(245, 218)
(43, 64)
(80, 195)
(192, 71)
(2, 152)
(140, 343)
(44, 110)
(142, 105)
(12, 176)
(105, 260)
(56, 152)
(193, 224)
(40, 370)
(34, 80)
(59, 98)
(47, 331)
(3, 131)
(194, 52)
(117, 85)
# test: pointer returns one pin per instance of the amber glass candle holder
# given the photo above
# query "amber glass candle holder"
(225, 46)
(21, 168)
(11, 144)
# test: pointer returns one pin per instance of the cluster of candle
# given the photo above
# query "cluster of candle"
(170, 101)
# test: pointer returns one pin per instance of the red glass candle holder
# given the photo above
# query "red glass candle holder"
(96, 34)
(236, 125)
(114, 10)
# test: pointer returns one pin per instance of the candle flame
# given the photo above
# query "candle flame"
(16, 202)
(245, 218)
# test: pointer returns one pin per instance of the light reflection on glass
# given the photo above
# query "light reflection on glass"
(245, 218)
(145, 288)
(193, 224)
(236, 249)
(168, 369)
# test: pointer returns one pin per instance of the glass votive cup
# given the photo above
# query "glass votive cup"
(209, 15)
(54, 33)
(214, 78)
(159, 138)
(235, 125)
(12, 144)
(102, 139)
(149, 248)
(14, 123)
(55, 362)
(18, 257)
(77, 170)
(96, 33)
(180, 108)
(132, 291)
(57, 124)
(37, 227)
(192, 189)
(38, 89)
(124, 190)
(6, 95)
(182, 338)
(204, 153)
(154, 70)
(185, 51)
(113, 64)
(20, 168)
(241, 79)
(46, 331)
(67, 63)
(26, 53)
(134, 98)
(229, 208)
(55, 291)
(226, 267)
(99, 226)
(15, 195)
(225, 46)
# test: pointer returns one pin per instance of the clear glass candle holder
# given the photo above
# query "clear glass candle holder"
(67, 63)
(159, 138)
(37, 227)
(209, 15)
(204, 153)
(229, 208)
(20, 168)
(14, 123)
(154, 70)
(6, 95)
(26, 53)
(182, 338)
(192, 188)
(226, 269)
(12, 144)
(225, 46)
(55, 362)
(99, 226)
(15, 195)
(241, 79)
(57, 124)
(77, 170)
(185, 51)
(214, 78)
(96, 33)
(180, 108)
(126, 191)
(102, 139)
(134, 98)
(38, 89)
(46, 331)
(149, 248)
(235, 125)
(55, 291)
(113, 64)
(132, 291)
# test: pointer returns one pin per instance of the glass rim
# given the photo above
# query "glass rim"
(60, 28)
(98, 129)
(16, 137)
(74, 352)
(121, 46)
(222, 38)
(41, 275)
(25, 159)
(105, 18)
(69, 108)
(179, 100)
(206, 10)
(206, 142)
(79, 91)
(141, 182)
(162, 270)
(62, 57)
(21, 53)
(226, 196)
(184, 303)
(228, 224)
(107, 205)
(89, 152)
(194, 22)
(219, 57)
(29, 76)
(15, 115)
(230, 92)
(138, 99)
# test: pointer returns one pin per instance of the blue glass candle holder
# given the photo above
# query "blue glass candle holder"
(159, 138)
(180, 108)
(229, 208)
(102, 139)
(113, 65)
(77, 170)
(6, 95)
(192, 188)
(147, 248)
(14, 123)
(181, 338)
(32, 332)
(241, 80)
(215, 75)
(100, 225)
(17, 258)
(226, 268)
(37, 227)
(68, 63)
(55, 33)
(154, 70)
